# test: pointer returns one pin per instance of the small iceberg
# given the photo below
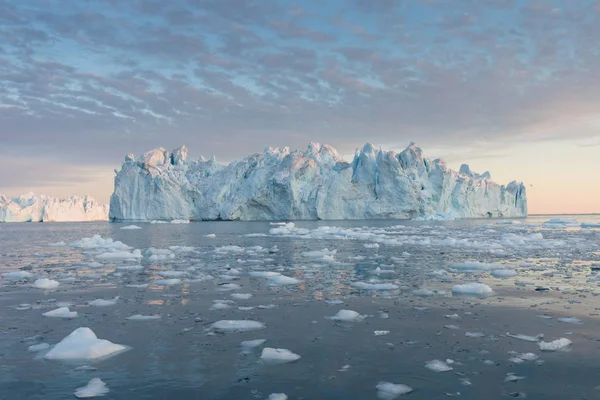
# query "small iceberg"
(104, 303)
(241, 296)
(277, 396)
(438, 366)
(94, 388)
(140, 317)
(168, 282)
(282, 280)
(62, 312)
(555, 345)
(130, 228)
(389, 391)
(38, 347)
(83, 345)
(526, 338)
(238, 325)
(504, 273)
(347, 316)
(46, 283)
(476, 289)
(278, 356)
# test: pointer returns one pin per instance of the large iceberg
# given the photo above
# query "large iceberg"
(34, 208)
(280, 184)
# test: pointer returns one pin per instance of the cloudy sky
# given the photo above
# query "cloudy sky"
(509, 86)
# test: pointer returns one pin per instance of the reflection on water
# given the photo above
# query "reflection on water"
(180, 356)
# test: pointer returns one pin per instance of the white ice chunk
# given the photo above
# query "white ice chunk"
(82, 344)
(263, 274)
(140, 317)
(438, 366)
(241, 296)
(46, 283)
(570, 320)
(472, 288)
(277, 396)
(62, 312)
(526, 337)
(238, 325)
(504, 273)
(381, 333)
(18, 276)
(168, 282)
(94, 388)
(555, 345)
(130, 227)
(347, 316)
(104, 303)
(282, 280)
(390, 391)
(278, 356)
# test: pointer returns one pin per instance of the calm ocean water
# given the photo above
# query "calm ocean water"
(398, 275)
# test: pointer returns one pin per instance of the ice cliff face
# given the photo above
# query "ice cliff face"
(32, 208)
(280, 184)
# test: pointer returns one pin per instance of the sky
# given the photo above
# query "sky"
(508, 86)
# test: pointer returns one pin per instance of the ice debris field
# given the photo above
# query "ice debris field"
(371, 309)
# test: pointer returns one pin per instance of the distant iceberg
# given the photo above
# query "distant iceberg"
(279, 184)
(40, 208)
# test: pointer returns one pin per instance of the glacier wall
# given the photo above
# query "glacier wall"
(33, 208)
(280, 184)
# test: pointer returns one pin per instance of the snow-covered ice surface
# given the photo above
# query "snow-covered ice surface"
(280, 184)
(41, 208)
(536, 333)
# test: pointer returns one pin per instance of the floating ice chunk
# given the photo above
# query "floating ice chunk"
(512, 377)
(137, 285)
(120, 255)
(97, 242)
(526, 337)
(474, 334)
(210, 235)
(180, 221)
(129, 267)
(277, 396)
(130, 227)
(95, 264)
(238, 325)
(263, 274)
(229, 286)
(278, 356)
(374, 286)
(82, 344)
(95, 387)
(282, 280)
(221, 305)
(438, 366)
(472, 289)
(371, 246)
(168, 282)
(381, 333)
(452, 316)
(38, 347)
(555, 345)
(570, 320)
(18, 276)
(104, 303)
(62, 312)
(380, 271)
(154, 221)
(389, 391)
(58, 244)
(241, 296)
(46, 283)
(504, 273)
(140, 317)
(346, 316)
(527, 357)
(452, 327)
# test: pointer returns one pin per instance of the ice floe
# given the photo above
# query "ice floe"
(374, 286)
(83, 345)
(438, 366)
(555, 345)
(390, 391)
(62, 312)
(238, 325)
(104, 303)
(94, 388)
(347, 316)
(46, 283)
(38, 347)
(18, 276)
(140, 317)
(282, 280)
(130, 227)
(472, 289)
(278, 356)
(277, 396)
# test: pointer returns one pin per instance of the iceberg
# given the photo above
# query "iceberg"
(282, 185)
(41, 208)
